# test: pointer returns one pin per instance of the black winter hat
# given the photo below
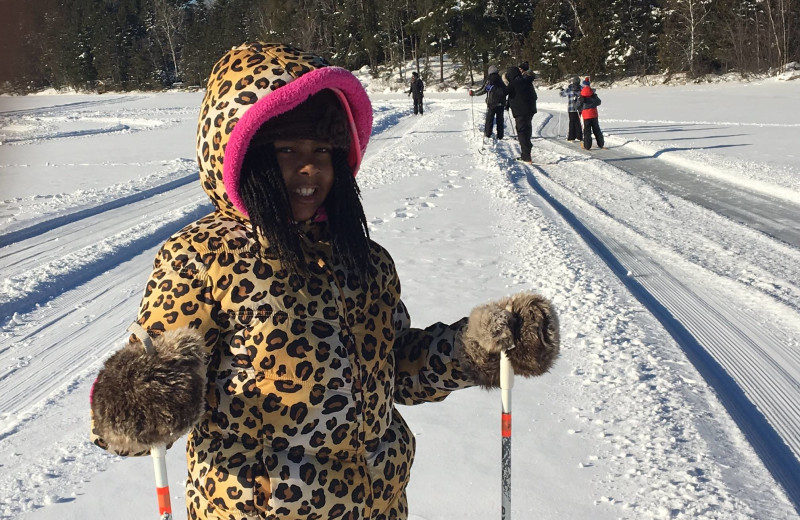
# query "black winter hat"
(524, 65)
(414, 74)
(320, 117)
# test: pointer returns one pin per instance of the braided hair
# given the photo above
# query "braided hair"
(267, 203)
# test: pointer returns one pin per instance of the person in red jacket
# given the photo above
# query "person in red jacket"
(587, 106)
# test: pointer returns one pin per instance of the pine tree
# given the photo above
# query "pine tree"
(550, 38)
(634, 30)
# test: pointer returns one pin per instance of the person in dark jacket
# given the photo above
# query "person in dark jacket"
(415, 91)
(572, 93)
(522, 102)
(587, 105)
(496, 93)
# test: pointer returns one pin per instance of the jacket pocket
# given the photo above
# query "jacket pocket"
(227, 479)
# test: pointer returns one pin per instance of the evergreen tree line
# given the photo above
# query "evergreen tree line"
(153, 44)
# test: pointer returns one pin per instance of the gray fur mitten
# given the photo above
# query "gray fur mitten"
(140, 399)
(525, 321)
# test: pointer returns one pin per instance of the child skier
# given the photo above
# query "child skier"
(572, 93)
(415, 90)
(496, 93)
(278, 336)
(587, 106)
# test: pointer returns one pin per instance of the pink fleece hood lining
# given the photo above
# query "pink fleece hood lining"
(341, 81)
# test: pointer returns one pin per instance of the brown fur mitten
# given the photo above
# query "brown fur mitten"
(524, 325)
(142, 399)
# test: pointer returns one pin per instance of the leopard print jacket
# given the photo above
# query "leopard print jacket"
(304, 372)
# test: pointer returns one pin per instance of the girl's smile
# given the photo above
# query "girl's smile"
(307, 171)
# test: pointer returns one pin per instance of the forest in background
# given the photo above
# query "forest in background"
(118, 45)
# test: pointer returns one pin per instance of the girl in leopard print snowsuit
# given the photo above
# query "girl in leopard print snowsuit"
(281, 343)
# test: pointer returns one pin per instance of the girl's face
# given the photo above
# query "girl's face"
(307, 171)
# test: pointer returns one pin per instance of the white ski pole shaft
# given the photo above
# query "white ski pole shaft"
(159, 454)
(559, 124)
(506, 384)
(472, 111)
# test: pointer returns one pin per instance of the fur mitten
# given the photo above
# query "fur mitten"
(141, 399)
(525, 322)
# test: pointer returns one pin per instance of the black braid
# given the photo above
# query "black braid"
(267, 203)
(346, 218)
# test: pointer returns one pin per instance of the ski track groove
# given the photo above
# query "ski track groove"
(33, 230)
(59, 109)
(40, 267)
(654, 398)
(763, 380)
(61, 266)
(738, 396)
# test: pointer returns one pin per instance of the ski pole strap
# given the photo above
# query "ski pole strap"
(143, 336)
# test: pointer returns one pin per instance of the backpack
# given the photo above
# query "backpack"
(496, 94)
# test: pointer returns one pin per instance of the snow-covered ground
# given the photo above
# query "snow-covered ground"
(676, 393)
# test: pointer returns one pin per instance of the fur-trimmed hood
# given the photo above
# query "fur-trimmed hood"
(253, 83)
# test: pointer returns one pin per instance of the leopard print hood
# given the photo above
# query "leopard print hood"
(253, 83)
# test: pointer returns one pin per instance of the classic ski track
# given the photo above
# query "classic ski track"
(33, 227)
(654, 381)
(59, 369)
(768, 377)
(726, 249)
(37, 268)
(70, 238)
(69, 107)
(52, 355)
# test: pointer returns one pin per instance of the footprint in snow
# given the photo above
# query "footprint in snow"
(403, 213)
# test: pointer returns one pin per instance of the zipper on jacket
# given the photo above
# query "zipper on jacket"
(352, 349)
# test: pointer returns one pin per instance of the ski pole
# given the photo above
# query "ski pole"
(511, 124)
(506, 384)
(472, 109)
(559, 124)
(159, 453)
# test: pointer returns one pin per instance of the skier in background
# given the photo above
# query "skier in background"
(572, 93)
(496, 93)
(522, 101)
(415, 91)
(587, 105)
(273, 331)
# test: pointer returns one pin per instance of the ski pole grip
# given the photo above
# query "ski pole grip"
(506, 372)
(506, 382)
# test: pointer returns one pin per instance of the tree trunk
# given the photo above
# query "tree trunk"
(441, 61)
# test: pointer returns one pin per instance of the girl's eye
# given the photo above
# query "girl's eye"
(323, 149)
(284, 149)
